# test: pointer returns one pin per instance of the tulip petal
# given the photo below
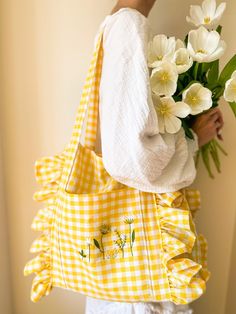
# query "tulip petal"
(211, 41)
(199, 98)
(172, 123)
(230, 90)
(220, 10)
(196, 14)
(233, 75)
(179, 44)
(204, 45)
(218, 53)
(209, 8)
(180, 109)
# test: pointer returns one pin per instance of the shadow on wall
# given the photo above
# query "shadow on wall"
(231, 300)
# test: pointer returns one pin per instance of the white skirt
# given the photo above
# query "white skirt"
(97, 306)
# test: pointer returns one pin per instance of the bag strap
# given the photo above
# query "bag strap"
(89, 104)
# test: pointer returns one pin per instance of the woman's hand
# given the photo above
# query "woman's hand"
(207, 125)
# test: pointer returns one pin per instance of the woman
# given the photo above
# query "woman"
(133, 150)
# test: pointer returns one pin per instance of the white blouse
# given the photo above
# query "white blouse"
(133, 150)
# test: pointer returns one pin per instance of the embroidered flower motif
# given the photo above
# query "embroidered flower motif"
(89, 243)
(105, 229)
(82, 254)
(128, 219)
(112, 253)
(120, 241)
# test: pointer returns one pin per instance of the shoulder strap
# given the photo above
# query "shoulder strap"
(88, 105)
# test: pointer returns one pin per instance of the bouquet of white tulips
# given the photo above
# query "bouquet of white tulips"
(185, 77)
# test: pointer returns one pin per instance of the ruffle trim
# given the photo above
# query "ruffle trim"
(184, 251)
(48, 171)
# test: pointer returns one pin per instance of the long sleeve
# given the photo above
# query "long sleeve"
(133, 150)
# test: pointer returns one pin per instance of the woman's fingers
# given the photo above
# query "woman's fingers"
(208, 124)
(212, 111)
(216, 115)
(217, 118)
(220, 118)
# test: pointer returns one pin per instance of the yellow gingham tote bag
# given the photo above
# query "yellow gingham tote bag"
(105, 239)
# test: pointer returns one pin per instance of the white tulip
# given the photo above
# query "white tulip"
(204, 45)
(160, 48)
(207, 14)
(182, 60)
(164, 79)
(199, 98)
(167, 112)
(179, 44)
(230, 89)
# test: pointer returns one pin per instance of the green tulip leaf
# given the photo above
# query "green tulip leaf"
(226, 73)
(213, 73)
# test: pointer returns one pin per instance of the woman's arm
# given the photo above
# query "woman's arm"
(134, 152)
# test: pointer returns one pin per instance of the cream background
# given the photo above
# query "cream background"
(45, 51)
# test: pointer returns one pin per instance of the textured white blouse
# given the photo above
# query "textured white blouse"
(133, 150)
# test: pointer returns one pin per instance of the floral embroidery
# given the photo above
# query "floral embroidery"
(120, 240)
(82, 253)
(104, 229)
(130, 220)
(89, 242)
(112, 253)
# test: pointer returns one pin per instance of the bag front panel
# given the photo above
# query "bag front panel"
(102, 244)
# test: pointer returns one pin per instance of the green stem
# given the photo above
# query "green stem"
(195, 71)
(130, 239)
(214, 156)
(220, 147)
(103, 253)
(205, 157)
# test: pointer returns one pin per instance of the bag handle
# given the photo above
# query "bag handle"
(89, 103)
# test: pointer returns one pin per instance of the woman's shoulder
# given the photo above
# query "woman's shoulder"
(125, 23)
(127, 19)
(128, 12)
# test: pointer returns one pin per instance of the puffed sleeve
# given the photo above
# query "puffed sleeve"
(133, 150)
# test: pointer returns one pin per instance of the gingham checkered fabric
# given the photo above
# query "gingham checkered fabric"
(105, 239)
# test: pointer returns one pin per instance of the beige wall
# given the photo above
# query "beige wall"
(46, 47)
(5, 277)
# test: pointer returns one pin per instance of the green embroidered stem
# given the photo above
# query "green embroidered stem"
(102, 250)
(132, 238)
